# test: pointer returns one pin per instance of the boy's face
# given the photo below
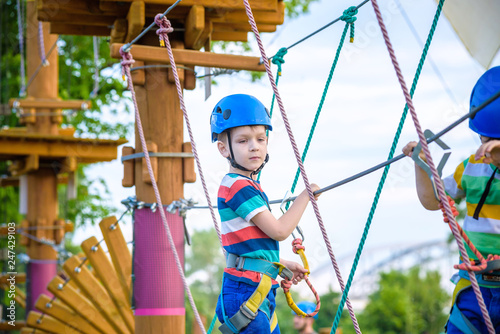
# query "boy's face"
(249, 145)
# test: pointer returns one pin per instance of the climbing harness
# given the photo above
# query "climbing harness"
(257, 301)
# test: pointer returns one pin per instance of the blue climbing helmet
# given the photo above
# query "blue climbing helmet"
(486, 122)
(238, 110)
(307, 307)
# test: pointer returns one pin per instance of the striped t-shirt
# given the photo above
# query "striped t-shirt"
(239, 200)
(469, 182)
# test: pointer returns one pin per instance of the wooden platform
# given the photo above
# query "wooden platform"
(195, 21)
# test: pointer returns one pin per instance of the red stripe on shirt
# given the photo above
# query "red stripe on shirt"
(251, 275)
(247, 233)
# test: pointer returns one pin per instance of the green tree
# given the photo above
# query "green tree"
(406, 303)
(205, 264)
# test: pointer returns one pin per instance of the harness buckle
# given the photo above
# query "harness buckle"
(247, 312)
(239, 263)
(286, 273)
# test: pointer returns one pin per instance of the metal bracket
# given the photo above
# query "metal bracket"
(422, 164)
(158, 154)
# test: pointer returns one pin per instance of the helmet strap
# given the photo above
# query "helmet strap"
(234, 164)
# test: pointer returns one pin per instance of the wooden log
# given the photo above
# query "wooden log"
(109, 279)
(119, 252)
(30, 330)
(192, 57)
(230, 36)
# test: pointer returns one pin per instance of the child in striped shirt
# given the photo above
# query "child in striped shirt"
(250, 233)
(477, 180)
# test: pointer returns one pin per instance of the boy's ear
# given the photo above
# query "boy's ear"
(223, 149)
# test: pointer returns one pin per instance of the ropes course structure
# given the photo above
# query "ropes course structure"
(142, 163)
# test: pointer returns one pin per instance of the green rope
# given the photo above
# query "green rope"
(386, 169)
(278, 60)
(349, 20)
(211, 328)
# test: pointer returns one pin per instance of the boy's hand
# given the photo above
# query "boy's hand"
(408, 150)
(298, 270)
(315, 187)
(490, 151)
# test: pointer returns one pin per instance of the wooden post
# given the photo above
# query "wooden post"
(42, 183)
(159, 300)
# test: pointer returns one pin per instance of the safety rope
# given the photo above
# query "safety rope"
(438, 183)
(299, 249)
(126, 62)
(165, 28)
(41, 45)
(349, 19)
(297, 157)
(386, 169)
(20, 36)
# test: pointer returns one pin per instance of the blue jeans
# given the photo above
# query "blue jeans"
(468, 305)
(236, 293)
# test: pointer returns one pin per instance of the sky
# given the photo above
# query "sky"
(355, 129)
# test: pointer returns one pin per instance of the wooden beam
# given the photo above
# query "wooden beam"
(119, 252)
(83, 19)
(6, 326)
(192, 57)
(73, 6)
(55, 146)
(264, 17)
(110, 281)
(269, 5)
(78, 29)
(29, 330)
(64, 314)
(194, 25)
(136, 18)
(49, 104)
(94, 291)
(47, 323)
(204, 36)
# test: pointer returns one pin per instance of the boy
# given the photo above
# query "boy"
(477, 180)
(250, 233)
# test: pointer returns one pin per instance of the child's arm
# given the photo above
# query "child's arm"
(425, 191)
(490, 151)
(298, 270)
(280, 229)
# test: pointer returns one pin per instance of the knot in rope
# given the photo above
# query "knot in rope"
(126, 62)
(349, 18)
(297, 244)
(165, 28)
(278, 58)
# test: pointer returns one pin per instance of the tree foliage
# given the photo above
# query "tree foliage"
(406, 303)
